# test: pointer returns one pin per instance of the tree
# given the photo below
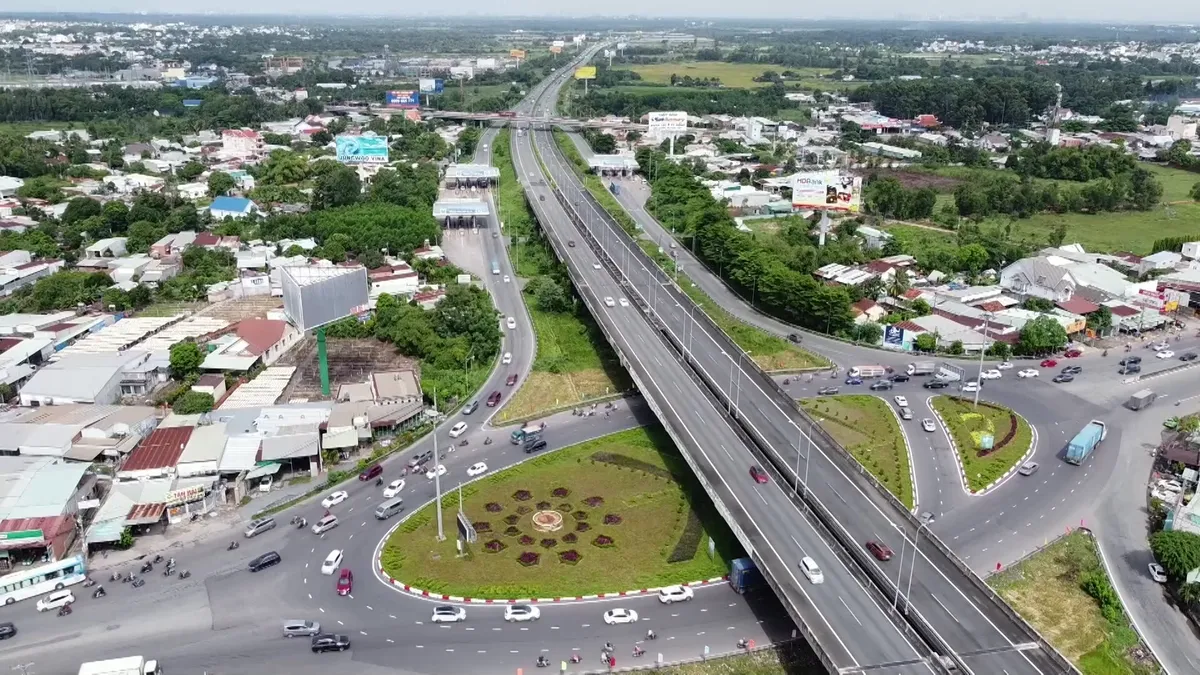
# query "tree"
(972, 258)
(140, 297)
(321, 138)
(467, 140)
(1177, 551)
(550, 295)
(220, 183)
(1041, 336)
(869, 333)
(920, 308)
(956, 347)
(193, 403)
(190, 171)
(1100, 320)
(1038, 305)
(116, 216)
(1000, 350)
(142, 234)
(115, 298)
(340, 186)
(1179, 153)
(926, 342)
(80, 208)
(1195, 193)
(186, 358)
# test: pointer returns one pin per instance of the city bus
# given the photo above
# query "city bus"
(40, 580)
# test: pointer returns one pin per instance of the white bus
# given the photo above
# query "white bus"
(41, 580)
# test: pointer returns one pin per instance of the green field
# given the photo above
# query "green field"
(732, 75)
(794, 659)
(632, 487)
(970, 425)
(864, 426)
(1046, 590)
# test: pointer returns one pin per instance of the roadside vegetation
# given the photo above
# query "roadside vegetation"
(1065, 593)
(574, 363)
(633, 516)
(973, 427)
(789, 659)
(868, 429)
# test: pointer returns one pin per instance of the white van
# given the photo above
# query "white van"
(389, 508)
(55, 600)
(325, 524)
(809, 567)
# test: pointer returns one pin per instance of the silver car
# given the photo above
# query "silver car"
(300, 628)
(1028, 468)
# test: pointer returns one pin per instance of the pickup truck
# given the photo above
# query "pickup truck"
(528, 432)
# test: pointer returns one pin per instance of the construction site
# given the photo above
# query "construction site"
(351, 361)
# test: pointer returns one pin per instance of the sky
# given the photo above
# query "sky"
(1090, 11)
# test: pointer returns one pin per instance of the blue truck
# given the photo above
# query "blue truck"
(744, 575)
(1081, 447)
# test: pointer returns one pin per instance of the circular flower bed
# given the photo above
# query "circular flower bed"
(482, 526)
(547, 521)
(493, 507)
(512, 519)
(570, 557)
(594, 501)
(560, 492)
(522, 495)
(494, 546)
(525, 540)
(580, 515)
(570, 538)
(512, 531)
(529, 558)
(603, 541)
(582, 527)
(612, 519)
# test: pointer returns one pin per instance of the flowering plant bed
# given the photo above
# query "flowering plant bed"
(582, 527)
(529, 558)
(571, 557)
(548, 542)
(560, 492)
(593, 502)
(612, 519)
(522, 495)
(603, 541)
(525, 540)
(493, 507)
(570, 538)
(494, 546)
(482, 526)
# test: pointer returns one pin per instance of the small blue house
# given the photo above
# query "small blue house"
(232, 207)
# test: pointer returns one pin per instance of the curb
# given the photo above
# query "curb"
(912, 469)
(541, 601)
(962, 472)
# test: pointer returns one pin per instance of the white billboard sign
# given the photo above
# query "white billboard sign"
(827, 191)
(558, 43)
(663, 124)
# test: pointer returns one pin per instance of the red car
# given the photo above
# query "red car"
(345, 582)
(493, 400)
(1049, 363)
(758, 474)
(512, 379)
(879, 550)
(1073, 353)
(371, 472)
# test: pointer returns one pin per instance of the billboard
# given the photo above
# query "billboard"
(316, 296)
(585, 73)
(667, 123)
(517, 53)
(828, 191)
(558, 43)
(429, 85)
(362, 149)
(402, 99)
(555, 49)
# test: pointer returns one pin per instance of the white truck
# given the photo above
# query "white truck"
(922, 368)
(866, 372)
(127, 665)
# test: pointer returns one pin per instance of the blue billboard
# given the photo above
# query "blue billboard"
(430, 85)
(402, 99)
(362, 149)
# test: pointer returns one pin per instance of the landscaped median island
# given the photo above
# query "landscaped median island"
(990, 438)
(616, 513)
(869, 431)
(1065, 593)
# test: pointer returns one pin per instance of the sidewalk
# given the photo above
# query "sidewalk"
(177, 538)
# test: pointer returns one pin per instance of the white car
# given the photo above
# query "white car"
(1159, 346)
(521, 613)
(440, 470)
(506, 278)
(55, 600)
(511, 323)
(393, 488)
(900, 401)
(617, 616)
(448, 614)
(970, 387)
(624, 302)
(335, 498)
(1005, 365)
(595, 266)
(809, 567)
(1165, 354)
(477, 469)
(332, 562)
(1028, 372)
(458, 429)
(928, 425)
(1157, 573)
(991, 374)
(672, 594)
(906, 414)
(507, 358)
(608, 301)
(1169, 485)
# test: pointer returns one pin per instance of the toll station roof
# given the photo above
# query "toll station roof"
(452, 208)
(471, 171)
(611, 162)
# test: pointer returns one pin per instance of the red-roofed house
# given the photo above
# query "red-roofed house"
(428, 299)
(241, 142)
(157, 456)
(993, 306)
(867, 310)
(206, 239)
(1078, 305)
(1123, 311)
(927, 121)
(253, 341)
(400, 280)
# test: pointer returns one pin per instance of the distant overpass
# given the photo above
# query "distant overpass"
(518, 119)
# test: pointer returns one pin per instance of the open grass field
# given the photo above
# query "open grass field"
(732, 75)
(631, 511)
(1045, 589)
(169, 308)
(971, 425)
(793, 659)
(865, 427)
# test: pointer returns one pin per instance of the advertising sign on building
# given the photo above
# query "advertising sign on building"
(585, 73)
(517, 53)
(362, 149)
(827, 191)
(558, 43)
(893, 335)
(667, 123)
(402, 99)
(430, 85)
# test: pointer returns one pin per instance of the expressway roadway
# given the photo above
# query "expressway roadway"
(979, 631)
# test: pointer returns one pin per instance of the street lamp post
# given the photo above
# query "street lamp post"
(912, 566)
(437, 479)
(982, 349)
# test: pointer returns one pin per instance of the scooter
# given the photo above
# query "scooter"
(302, 524)
(168, 571)
(147, 568)
(487, 441)
(157, 559)
(576, 658)
(99, 592)
(115, 577)
(185, 574)
(378, 482)
(638, 651)
(542, 662)
(138, 583)
(65, 610)
(89, 582)
(462, 442)
(233, 545)
(128, 578)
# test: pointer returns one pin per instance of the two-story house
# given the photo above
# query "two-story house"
(1038, 277)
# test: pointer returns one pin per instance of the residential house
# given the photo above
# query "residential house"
(398, 279)
(108, 248)
(1040, 278)
(232, 207)
(133, 182)
(19, 269)
(9, 186)
(192, 191)
(252, 342)
(427, 252)
(82, 378)
(172, 245)
(1157, 262)
(873, 238)
(993, 142)
(241, 142)
(867, 310)
(136, 152)
(429, 298)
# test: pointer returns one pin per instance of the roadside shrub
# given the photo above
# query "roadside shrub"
(529, 558)
(522, 495)
(603, 541)
(493, 507)
(560, 492)
(525, 540)
(494, 546)
(571, 557)
(612, 519)
(689, 540)
(549, 542)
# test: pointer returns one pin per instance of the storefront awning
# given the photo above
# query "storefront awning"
(268, 469)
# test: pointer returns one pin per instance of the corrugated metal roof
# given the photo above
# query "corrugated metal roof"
(240, 454)
(289, 447)
(206, 444)
(145, 514)
(160, 450)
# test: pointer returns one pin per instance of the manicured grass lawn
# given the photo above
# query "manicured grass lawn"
(969, 425)
(864, 426)
(641, 480)
(733, 75)
(1045, 589)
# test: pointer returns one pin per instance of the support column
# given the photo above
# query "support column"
(323, 361)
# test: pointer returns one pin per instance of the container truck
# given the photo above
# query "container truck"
(867, 371)
(529, 432)
(744, 575)
(1081, 447)
(922, 368)
(1141, 399)
(128, 665)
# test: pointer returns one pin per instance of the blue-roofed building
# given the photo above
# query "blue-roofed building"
(192, 102)
(232, 207)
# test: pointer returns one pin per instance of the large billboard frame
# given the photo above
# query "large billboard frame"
(431, 85)
(827, 191)
(318, 296)
(402, 99)
(585, 73)
(362, 149)
(666, 123)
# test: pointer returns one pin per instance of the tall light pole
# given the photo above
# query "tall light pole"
(24, 668)
(982, 349)
(912, 566)
(437, 479)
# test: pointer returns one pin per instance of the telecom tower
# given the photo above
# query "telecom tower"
(1053, 135)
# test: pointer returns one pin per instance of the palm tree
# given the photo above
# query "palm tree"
(1189, 594)
(1188, 425)
(899, 284)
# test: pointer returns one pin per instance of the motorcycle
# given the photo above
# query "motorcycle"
(303, 523)
(638, 651)
(185, 574)
(651, 635)
(462, 442)
(378, 482)
(168, 571)
(157, 559)
(147, 568)
(233, 544)
(743, 643)
(295, 519)
(138, 583)
(786, 381)
(1104, 353)
(116, 576)
(576, 658)
(65, 610)
(89, 582)
(542, 662)
(487, 441)
(128, 578)
(99, 592)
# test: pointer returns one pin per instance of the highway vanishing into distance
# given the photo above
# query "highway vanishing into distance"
(725, 416)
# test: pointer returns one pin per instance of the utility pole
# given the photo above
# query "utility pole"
(437, 479)
(24, 668)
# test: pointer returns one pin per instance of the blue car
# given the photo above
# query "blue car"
(853, 380)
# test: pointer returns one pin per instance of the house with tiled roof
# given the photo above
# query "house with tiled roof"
(867, 310)
(253, 341)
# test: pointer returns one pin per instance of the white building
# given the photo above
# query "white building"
(241, 142)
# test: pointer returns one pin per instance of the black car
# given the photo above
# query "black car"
(7, 630)
(881, 385)
(794, 338)
(264, 561)
(1131, 360)
(1072, 370)
(1130, 369)
(534, 446)
(1188, 356)
(899, 377)
(1064, 377)
(936, 384)
(330, 643)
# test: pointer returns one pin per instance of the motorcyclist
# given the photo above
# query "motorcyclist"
(379, 481)
(576, 658)
(542, 661)
(608, 647)
(650, 634)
